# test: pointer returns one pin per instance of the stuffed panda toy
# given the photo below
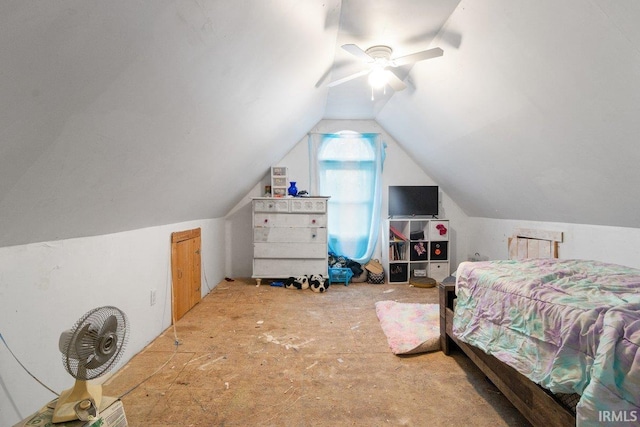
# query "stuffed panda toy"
(300, 282)
(318, 283)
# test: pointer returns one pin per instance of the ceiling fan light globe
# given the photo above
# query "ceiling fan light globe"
(377, 78)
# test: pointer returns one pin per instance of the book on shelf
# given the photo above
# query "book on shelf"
(396, 251)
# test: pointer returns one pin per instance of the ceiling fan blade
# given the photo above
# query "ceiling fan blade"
(418, 56)
(350, 77)
(356, 51)
(394, 81)
(335, 66)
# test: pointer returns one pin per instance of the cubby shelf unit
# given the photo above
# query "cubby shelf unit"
(417, 248)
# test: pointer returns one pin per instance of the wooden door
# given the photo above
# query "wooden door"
(185, 271)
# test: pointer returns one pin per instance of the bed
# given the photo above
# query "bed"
(551, 333)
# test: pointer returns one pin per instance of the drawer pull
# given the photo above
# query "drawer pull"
(266, 220)
(313, 221)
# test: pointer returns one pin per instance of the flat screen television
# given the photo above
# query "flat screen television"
(413, 200)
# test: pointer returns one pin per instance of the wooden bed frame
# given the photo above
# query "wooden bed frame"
(536, 404)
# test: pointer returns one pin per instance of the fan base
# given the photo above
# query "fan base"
(380, 52)
(65, 409)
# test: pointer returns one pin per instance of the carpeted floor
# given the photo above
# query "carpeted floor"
(268, 356)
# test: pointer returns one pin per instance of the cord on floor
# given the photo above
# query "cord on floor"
(25, 369)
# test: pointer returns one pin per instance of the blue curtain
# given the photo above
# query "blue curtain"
(347, 166)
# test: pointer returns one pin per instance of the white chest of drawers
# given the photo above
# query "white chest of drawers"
(289, 237)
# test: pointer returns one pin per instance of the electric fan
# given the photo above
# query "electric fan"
(89, 349)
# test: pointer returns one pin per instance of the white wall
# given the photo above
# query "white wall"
(45, 287)
(399, 169)
(608, 244)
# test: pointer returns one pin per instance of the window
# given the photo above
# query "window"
(347, 166)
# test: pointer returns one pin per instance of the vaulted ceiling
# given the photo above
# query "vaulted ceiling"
(121, 115)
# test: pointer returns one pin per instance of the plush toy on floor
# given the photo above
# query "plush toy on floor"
(300, 282)
(318, 283)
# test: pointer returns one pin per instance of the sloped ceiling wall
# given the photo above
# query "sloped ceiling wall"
(121, 115)
(535, 115)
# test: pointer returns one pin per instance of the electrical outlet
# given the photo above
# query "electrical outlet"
(152, 299)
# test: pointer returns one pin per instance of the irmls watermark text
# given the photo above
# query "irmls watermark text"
(623, 416)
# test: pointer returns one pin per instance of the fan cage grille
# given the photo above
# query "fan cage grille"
(97, 343)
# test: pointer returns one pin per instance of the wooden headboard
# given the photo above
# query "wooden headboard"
(530, 243)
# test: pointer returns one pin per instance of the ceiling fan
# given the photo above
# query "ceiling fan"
(379, 59)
